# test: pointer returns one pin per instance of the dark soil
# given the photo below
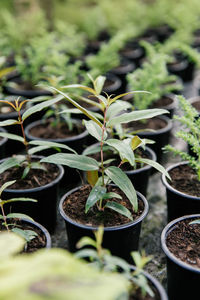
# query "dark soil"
(48, 131)
(153, 123)
(162, 102)
(184, 179)
(37, 243)
(196, 105)
(74, 207)
(35, 177)
(184, 242)
(137, 295)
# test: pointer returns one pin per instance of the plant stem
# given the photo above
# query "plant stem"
(102, 143)
(4, 217)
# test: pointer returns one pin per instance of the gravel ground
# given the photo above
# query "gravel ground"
(157, 217)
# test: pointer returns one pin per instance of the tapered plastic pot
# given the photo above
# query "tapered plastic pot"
(171, 106)
(160, 136)
(126, 66)
(178, 203)
(182, 279)
(134, 52)
(44, 210)
(120, 240)
(112, 84)
(182, 68)
(153, 282)
(76, 142)
(3, 142)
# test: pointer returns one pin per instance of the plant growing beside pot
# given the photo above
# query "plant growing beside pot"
(34, 234)
(33, 179)
(180, 243)
(143, 286)
(183, 192)
(102, 202)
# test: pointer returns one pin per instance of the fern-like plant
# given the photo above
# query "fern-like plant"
(190, 133)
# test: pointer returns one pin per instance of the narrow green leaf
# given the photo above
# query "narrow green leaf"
(86, 241)
(94, 130)
(25, 172)
(40, 106)
(9, 163)
(99, 83)
(18, 216)
(11, 136)
(95, 195)
(112, 195)
(124, 183)
(80, 162)
(28, 235)
(8, 122)
(155, 165)
(6, 71)
(123, 149)
(5, 185)
(136, 142)
(128, 93)
(87, 253)
(52, 145)
(84, 111)
(92, 177)
(136, 116)
(120, 209)
(80, 86)
(116, 108)
(20, 199)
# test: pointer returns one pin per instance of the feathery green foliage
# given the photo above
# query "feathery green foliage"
(190, 133)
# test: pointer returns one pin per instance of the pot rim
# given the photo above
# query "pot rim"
(128, 67)
(155, 282)
(168, 186)
(109, 228)
(168, 228)
(174, 102)
(115, 85)
(67, 139)
(42, 228)
(39, 188)
(167, 128)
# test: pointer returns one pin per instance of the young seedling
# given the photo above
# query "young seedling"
(103, 260)
(26, 160)
(99, 128)
(28, 235)
(190, 133)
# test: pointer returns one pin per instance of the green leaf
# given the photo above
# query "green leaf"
(86, 241)
(12, 243)
(136, 116)
(95, 195)
(28, 235)
(124, 150)
(95, 130)
(80, 86)
(92, 177)
(11, 136)
(8, 122)
(99, 83)
(80, 162)
(120, 209)
(116, 108)
(128, 93)
(155, 165)
(84, 111)
(23, 199)
(87, 253)
(40, 106)
(37, 165)
(112, 195)
(52, 145)
(25, 172)
(136, 142)
(124, 183)
(18, 216)
(9, 163)
(5, 185)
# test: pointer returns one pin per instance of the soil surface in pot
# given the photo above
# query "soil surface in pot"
(35, 177)
(48, 131)
(37, 243)
(74, 207)
(184, 242)
(184, 179)
(196, 105)
(162, 102)
(153, 123)
(137, 295)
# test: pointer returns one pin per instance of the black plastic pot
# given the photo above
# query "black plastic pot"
(154, 283)
(182, 279)
(161, 137)
(25, 93)
(77, 142)
(3, 143)
(121, 71)
(178, 203)
(43, 230)
(134, 52)
(112, 84)
(44, 210)
(196, 83)
(182, 68)
(170, 107)
(120, 240)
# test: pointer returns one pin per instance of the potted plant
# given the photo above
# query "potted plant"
(100, 201)
(142, 284)
(183, 191)
(180, 243)
(33, 179)
(34, 234)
